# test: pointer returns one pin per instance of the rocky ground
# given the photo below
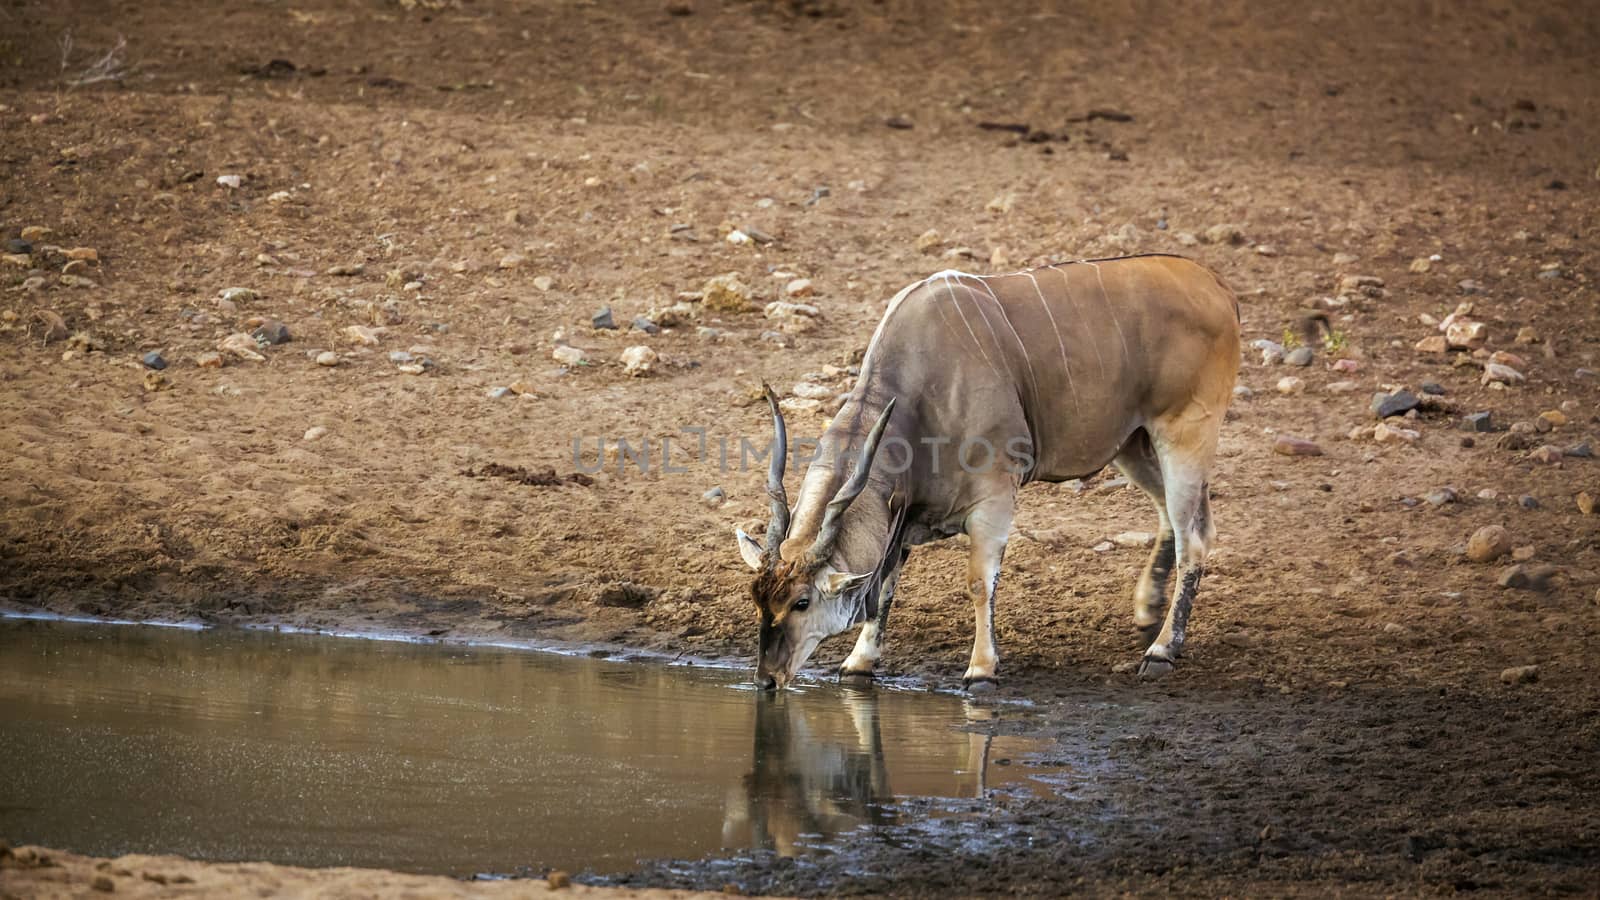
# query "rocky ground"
(301, 313)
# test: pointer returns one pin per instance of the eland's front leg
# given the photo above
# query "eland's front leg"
(869, 644)
(987, 526)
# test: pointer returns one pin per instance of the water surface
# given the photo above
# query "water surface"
(315, 751)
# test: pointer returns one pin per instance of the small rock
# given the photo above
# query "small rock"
(1420, 265)
(1224, 234)
(1441, 496)
(83, 254)
(1266, 250)
(348, 270)
(1580, 450)
(512, 261)
(714, 497)
(361, 335)
(272, 332)
(1272, 352)
(327, 358)
(558, 880)
(1396, 404)
(1554, 417)
(639, 361)
(1528, 501)
(155, 381)
(1526, 578)
(229, 181)
(602, 319)
(241, 345)
(1385, 434)
(1361, 285)
(737, 237)
(1134, 539)
(641, 323)
(1342, 387)
(1290, 385)
(1585, 503)
(209, 360)
(899, 122)
(411, 369)
(1547, 454)
(500, 393)
(1520, 675)
(1433, 388)
(726, 293)
(1488, 543)
(544, 282)
(1478, 422)
(1526, 335)
(1432, 344)
(1469, 286)
(1104, 547)
(1299, 356)
(1495, 373)
(154, 360)
(237, 295)
(928, 241)
(315, 433)
(1293, 446)
(799, 405)
(814, 391)
(777, 337)
(570, 356)
(1348, 366)
(1523, 554)
(1465, 334)
(799, 287)
(18, 247)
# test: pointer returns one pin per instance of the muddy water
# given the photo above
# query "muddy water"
(229, 745)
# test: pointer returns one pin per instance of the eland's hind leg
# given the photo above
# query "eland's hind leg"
(1185, 448)
(1139, 463)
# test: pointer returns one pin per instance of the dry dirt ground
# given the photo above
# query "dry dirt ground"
(494, 172)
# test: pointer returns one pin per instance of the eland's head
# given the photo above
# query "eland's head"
(802, 597)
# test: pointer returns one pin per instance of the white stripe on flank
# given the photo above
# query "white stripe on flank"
(957, 304)
(1111, 310)
(1065, 365)
(1066, 288)
(1033, 380)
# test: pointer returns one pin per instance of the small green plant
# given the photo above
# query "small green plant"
(1335, 341)
(1289, 339)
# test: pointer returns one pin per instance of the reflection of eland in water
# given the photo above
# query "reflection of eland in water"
(821, 768)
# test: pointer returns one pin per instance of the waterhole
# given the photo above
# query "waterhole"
(317, 751)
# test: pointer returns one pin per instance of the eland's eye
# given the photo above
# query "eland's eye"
(801, 604)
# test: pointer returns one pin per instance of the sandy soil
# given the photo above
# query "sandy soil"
(454, 156)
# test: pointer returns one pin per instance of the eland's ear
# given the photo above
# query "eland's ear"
(749, 549)
(838, 582)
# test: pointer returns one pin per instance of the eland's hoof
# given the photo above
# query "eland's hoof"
(1152, 667)
(849, 676)
(980, 684)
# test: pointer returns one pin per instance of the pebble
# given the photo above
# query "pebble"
(799, 405)
(1293, 446)
(639, 361)
(1432, 344)
(512, 261)
(209, 360)
(241, 345)
(1364, 285)
(1523, 554)
(1580, 450)
(602, 319)
(272, 331)
(1465, 334)
(726, 293)
(1528, 501)
(1495, 373)
(813, 391)
(1299, 356)
(737, 237)
(361, 335)
(499, 393)
(1342, 387)
(155, 381)
(642, 323)
(400, 356)
(327, 358)
(1585, 503)
(1441, 496)
(1396, 404)
(777, 337)
(154, 360)
(1508, 359)
(19, 246)
(1224, 233)
(570, 356)
(1548, 454)
(1526, 335)
(928, 241)
(1520, 675)
(83, 254)
(1104, 547)
(544, 282)
(706, 333)
(1385, 434)
(1488, 543)
(1134, 539)
(1433, 388)
(799, 287)
(714, 497)
(558, 880)
(1526, 578)
(1348, 366)
(237, 295)
(229, 181)
(1469, 286)
(1289, 384)
(348, 270)
(1272, 352)
(411, 369)
(1555, 417)
(1477, 422)
(315, 432)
